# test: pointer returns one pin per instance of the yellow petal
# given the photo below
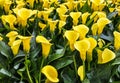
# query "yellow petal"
(52, 24)
(15, 46)
(41, 39)
(82, 30)
(42, 26)
(94, 29)
(51, 73)
(71, 36)
(81, 72)
(62, 9)
(101, 14)
(61, 24)
(31, 3)
(1, 38)
(101, 43)
(82, 46)
(99, 52)
(11, 33)
(107, 55)
(101, 24)
(84, 17)
(97, 2)
(116, 40)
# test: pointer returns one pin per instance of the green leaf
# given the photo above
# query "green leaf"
(86, 81)
(58, 54)
(115, 82)
(117, 61)
(63, 62)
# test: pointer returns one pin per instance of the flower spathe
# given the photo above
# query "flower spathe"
(84, 17)
(46, 45)
(116, 40)
(105, 56)
(52, 24)
(51, 73)
(82, 46)
(82, 30)
(71, 36)
(81, 72)
(97, 2)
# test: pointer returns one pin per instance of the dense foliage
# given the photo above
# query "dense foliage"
(59, 41)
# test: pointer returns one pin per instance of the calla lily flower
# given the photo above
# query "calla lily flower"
(52, 24)
(1, 38)
(2, 3)
(61, 10)
(101, 43)
(12, 36)
(9, 19)
(93, 44)
(42, 26)
(20, 3)
(7, 5)
(15, 46)
(63, 17)
(26, 43)
(46, 3)
(70, 4)
(105, 56)
(82, 30)
(81, 72)
(46, 45)
(61, 24)
(116, 40)
(51, 73)
(71, 36)
(97, 2)
(31, 3)
(82, 46)
(102, 22)
(84, 17)
(46, 14)
(75, 16)
(101, 14)
(94, 28)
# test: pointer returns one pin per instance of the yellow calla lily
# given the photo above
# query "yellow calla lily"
(26, 43)
(7, 5)
(31, 3)
(94, 29)
(71, 36)
(82, 30)
(2, 3)
(82, 46)
(84, 17)
(101, 43)
(97, 2)
(75, 16)
(61, 24)
(48, 81)
(41, 25)
(116, 40)
(9, 19)
(52, 24)
(15, 46)
(20, 3)
(46, 3)
(63, 17)
(46, 14)
(12, 36)
(105, 56)
(93, 44)
(51, 73)
(62, 9)
(45, 45)
(101, 14)
(101, 24)
(81, 72)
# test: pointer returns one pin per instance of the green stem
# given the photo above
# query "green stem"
(41, 68)
(26, 66)
(74, 60)
(88, 66)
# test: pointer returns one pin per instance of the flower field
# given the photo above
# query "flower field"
(59, 41)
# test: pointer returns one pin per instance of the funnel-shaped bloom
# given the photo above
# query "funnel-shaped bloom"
(93, 44)
(12, 36)
(101, 43)
(94, 29)
(61, 10)
(15, 46)
(31, 3)
(61, 24)
(75, 16)
(10, 19)
(7, 5)
(82, 46)
(101, 24)
(46, 14)
(116, 40)
(46, 3)
(97, 2)
(105, 56)
(52, 24)
(26, 43)
(20, 3)
(81, 72)
(51, 73)
(42, 26)
(84, 17)
(71, 36)
(82, 30)
(46, 45)
(2, 3)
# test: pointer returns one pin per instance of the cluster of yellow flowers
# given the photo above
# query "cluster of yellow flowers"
(17, 14)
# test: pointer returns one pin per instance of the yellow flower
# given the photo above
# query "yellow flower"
(51, 73)
(102, 22)
(82, 46)
(93, 44)
(46, 4)
(101, 14)
(20, 3)
(9, 19)
(70, 5)
(75, 16)
(7, 5)
(26, 43)
(105, 56)
(63, 17)
(61, 24)
(116, 40)
(71, 36)
(94, 28)
(48, 81)
(81, 73)
(101, 43)
(15, 46)
(52, 24)
(2, 3)
(84, 17)
(46, 14)
(31, 3)
(82, 30)
(97, 2)
(1, 38)
(61, 10)
(46, 45)
(41, 25)
(12, 36)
